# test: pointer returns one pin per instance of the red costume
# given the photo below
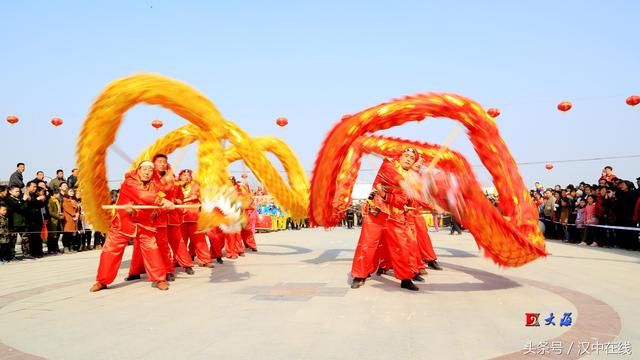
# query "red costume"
(138, 225)
(249, 211)
(386, 221)
(424, 240)
(169, 234)
(420, 247)
(216, 242)
(197, 240)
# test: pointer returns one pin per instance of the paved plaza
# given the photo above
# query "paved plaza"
(292, 300)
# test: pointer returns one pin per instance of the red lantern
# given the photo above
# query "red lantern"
(56, 121)
(548, 166)
(245, 175)
(11, 119)
(493, 112)
(565, 106)
(157, 124)
(633, 100)
(282, 121)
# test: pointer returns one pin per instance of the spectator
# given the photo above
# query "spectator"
(625, 206)
(580, 220)
(41, 184)
(638, 182)
(615, 181)
(55, 183)
(54, 225)
(114, 196)
(4, 192)
(17, 222)
(548, 210)
(4, 234)
(590, 218)
(84, 232)
(36, 215)
(39, 177)
(538, 201)
(70, 210)
(73, 179)
(62, 191)
(349, 217)
(16, 178)
(607, 174)
(565, 211)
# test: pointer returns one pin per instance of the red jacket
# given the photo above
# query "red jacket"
(389, 176)
(133, 191)
(168, 187)
(191, 195)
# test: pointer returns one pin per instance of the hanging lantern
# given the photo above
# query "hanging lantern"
(56, 121)
(493, 112)
(282, 121)
(244, 175)
(565, 106)
(157, 124)
(633, 100)
(548, 166)
(11, 119)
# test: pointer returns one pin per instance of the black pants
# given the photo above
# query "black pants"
(548, 227)
(98, 239)
(35, 241)
(52, 242)
(627, 239)
(589, 235)
(85, 238)
(69, 240)
(350, 223)
(4, 251)
(455, 227)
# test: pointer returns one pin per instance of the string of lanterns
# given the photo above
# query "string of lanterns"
(563, 106)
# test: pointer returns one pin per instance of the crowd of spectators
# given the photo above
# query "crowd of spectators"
(604, 214)
(43, 214)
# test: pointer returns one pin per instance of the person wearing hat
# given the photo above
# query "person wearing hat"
(197, 240)
(136, 189)
(167, 223)
(386, 222)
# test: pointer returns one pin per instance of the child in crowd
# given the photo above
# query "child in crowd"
(4, 234)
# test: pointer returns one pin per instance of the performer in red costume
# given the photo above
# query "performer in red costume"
(427, 254)
(249, 209)
(168, 234)
(417, 240)
(137, 189)
(190, 192)
(233, 246)
(216, 244)
(386, 221)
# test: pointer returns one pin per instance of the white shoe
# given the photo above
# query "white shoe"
(594, 244)
(583, 243)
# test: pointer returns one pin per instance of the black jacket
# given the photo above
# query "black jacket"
(17, 212)
(625, 206)
(36, 213)
(16, 180)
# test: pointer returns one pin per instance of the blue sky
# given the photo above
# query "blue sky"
(315, 61)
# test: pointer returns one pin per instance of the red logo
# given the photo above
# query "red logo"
(532, 319)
